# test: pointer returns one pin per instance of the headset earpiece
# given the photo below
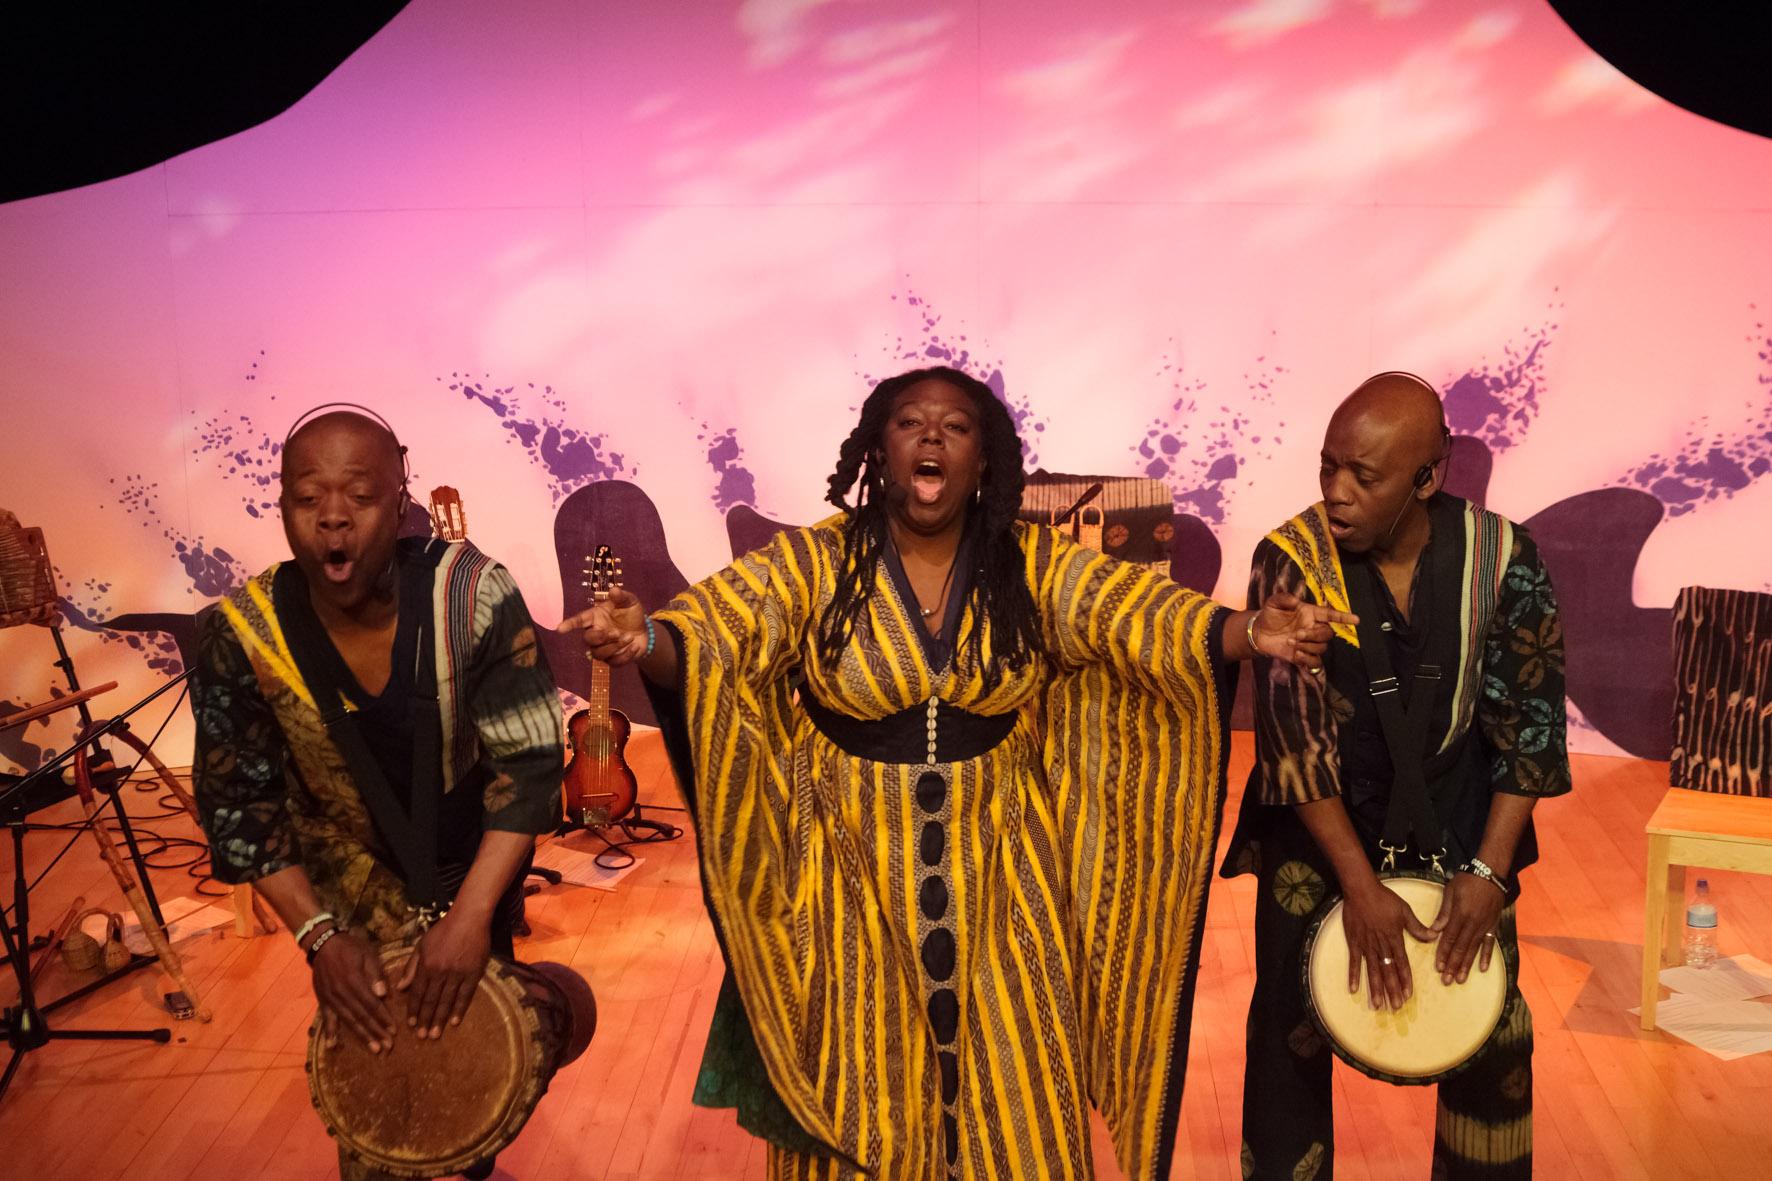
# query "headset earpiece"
(1424, 475)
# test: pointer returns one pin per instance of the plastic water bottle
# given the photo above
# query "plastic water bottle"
(1701, 928)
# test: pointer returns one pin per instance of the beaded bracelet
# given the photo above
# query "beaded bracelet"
(320, 941)
(325, 916)
(651, 638)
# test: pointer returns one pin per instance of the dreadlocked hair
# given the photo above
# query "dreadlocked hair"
(999, 590)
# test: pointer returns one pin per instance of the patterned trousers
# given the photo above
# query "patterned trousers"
(1483, 1126)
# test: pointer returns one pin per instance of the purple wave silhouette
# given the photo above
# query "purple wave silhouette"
(623, 517)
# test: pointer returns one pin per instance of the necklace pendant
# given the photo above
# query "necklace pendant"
(927, 611)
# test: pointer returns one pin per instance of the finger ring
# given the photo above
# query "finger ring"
(1489, 934)
(1386, 961)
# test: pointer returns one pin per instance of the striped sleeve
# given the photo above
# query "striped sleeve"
(1296, 742)
(515, 710)
(1135, 748)
(739, 633)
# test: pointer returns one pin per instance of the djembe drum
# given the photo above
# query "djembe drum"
(433, 1107)
(1436, 1032)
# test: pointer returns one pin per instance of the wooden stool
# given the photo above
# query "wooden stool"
(1703, 830)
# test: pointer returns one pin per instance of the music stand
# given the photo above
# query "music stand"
(28, 595)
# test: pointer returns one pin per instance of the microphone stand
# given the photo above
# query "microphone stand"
(25, 1026)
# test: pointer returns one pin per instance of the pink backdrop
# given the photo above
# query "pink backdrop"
(671, 243)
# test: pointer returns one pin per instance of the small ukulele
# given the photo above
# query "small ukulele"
(600, 788)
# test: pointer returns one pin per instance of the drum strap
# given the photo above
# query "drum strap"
(411, 829)
(1405, 725)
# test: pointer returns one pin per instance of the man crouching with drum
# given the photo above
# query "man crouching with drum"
(1417, 750)
(378, 745)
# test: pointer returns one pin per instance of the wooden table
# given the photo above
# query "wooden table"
(1703, 830)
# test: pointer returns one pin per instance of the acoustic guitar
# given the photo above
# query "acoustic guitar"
(600, 788)
(449, 520)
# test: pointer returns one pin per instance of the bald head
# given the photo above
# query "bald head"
(1399, 405)
(1384, 437)
(368, 439)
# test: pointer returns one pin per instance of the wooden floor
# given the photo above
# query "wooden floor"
(229, 1099)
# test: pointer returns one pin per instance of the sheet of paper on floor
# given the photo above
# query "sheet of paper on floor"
(184, 917)
(579, 866)
(1738, 978)
(1723, 1029)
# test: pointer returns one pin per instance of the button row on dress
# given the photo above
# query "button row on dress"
(934, 704)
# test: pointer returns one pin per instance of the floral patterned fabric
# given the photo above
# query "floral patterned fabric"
(273, 790)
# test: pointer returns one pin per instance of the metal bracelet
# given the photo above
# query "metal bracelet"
(1249, 633)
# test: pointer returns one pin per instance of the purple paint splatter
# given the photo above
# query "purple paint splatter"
(726, 456)
(571, 458)
(213, 571)
(1713, 465)
(243, 452)
(1199, 460)
(1497, 402)
(931, 346)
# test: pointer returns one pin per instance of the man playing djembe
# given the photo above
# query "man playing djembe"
(1450, 690)
(378, 741)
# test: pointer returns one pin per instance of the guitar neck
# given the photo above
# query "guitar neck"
(597, 705)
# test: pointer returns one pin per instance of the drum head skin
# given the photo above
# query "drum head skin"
(1435, 1032)
(432, 1107)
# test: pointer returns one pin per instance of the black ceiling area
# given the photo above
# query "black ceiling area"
(95, 91)
(1714, 60)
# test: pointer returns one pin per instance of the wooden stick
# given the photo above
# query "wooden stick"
(132, 892)
(32, 713)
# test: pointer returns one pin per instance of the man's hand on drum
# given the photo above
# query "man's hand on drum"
(614, 628)
(349, 985)
(1291, 629)
(1466, 924)
(1375, 920)
(444, 973)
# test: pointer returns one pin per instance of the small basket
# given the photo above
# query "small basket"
(82, 953)
(27, 580)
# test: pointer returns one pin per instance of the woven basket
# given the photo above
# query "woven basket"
(83, 953)
(27, 581)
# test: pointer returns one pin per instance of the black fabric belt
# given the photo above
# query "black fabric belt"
(903, 737)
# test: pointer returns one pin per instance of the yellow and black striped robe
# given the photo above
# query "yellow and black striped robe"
(940, 975)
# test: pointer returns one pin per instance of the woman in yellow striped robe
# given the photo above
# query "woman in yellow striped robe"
(957, 782)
